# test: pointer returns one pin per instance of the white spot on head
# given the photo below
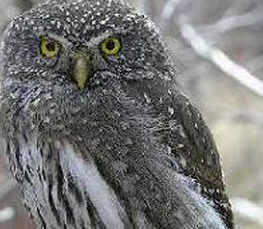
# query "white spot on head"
(171, 110)
(103, 22)
(148, 100)
(180, 146)
(58, 25)
(183, 162)
(169, 150)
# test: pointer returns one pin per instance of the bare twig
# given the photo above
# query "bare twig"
(250, 118)
(168, 11)
(212, 54)
(6, 214)
(220, 59)
(234, 22)
(240, 6)
(248, 209)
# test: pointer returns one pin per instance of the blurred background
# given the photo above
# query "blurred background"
(217, 48)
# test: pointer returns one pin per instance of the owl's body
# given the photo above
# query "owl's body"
(126, 149)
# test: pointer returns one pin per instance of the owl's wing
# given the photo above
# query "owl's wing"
(197, 156)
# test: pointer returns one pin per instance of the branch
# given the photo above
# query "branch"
(244, 117)
(6, 187)
(168, 11)
(240, 6)
(212, 54)
(6, 214)
(220, 59)
(234, 22)
(248, 209)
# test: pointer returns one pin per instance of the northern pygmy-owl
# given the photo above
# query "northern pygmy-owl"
(98, 132)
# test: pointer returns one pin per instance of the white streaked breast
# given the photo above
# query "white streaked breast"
(101, 194)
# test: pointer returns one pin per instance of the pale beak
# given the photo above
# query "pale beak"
(82, 69)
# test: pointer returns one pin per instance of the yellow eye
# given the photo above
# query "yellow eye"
(49, 48)
(111, 46)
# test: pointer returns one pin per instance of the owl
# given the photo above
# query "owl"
(99, 134)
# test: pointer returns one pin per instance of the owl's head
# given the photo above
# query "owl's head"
(66, 57)
(78, 43)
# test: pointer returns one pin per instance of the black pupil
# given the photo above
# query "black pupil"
(51, 46)
(110, 45)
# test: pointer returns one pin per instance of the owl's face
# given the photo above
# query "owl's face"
(56, 42)
(67, 57)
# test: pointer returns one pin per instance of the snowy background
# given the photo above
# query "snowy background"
(217, 47)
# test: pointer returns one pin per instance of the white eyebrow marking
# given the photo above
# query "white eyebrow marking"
(96, 40)
(65, 42)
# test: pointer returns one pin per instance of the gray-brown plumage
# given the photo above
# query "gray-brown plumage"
(98, 132)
